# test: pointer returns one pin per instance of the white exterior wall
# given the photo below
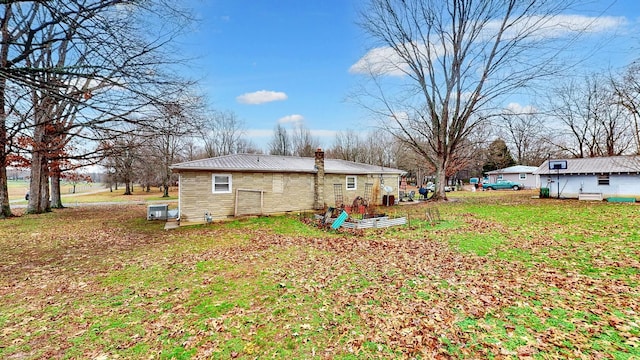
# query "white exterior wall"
(572, 185)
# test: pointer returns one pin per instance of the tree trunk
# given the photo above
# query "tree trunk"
(39, 186)
(56, 194)
(5, 209)
(441, 179)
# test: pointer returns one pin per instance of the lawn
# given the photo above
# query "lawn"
(501, 276)
(91, 193)
(18, 188)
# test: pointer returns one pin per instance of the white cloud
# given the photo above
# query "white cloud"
(293, 119)
(564, 24)
(553, 27)
(261, 97)
(384, 61)
(517, 108)
(378, 61)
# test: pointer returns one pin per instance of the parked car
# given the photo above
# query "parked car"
(502, 184)
(431, 187)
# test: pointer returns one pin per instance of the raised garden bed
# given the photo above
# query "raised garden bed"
(368, 223)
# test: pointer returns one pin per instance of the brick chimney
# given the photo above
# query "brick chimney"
(318, 183)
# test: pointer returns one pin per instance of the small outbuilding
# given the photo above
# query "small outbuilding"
(256, 184)
(519, 173)
(592, 178)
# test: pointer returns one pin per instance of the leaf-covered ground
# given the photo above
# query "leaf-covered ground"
(501, 276)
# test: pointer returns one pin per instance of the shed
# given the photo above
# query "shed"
(519, 173)
(256, 184)
(598, 177)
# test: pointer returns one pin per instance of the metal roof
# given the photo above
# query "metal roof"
(518, 169)
(598, 165)
(278, 163)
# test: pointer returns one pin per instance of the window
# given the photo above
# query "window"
(221, 184)
(603, 179)
(352, 183)
(523, 176)
(500, 177)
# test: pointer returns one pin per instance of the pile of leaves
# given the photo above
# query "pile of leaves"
(510, 278)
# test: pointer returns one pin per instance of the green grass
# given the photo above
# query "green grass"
(479, 244)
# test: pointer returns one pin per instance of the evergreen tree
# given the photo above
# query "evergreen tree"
(498, 156)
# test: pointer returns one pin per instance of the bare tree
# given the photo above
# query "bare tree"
(379, 148)
(280, 144)
(148, 163)
(346, 146)
(175, 122)
(593, 121)
(570, 105)
(122, 156)
(458, 59)
(525, 132)
(627, 94)
(302, 142)
(193, 150)
(223, 134)
(614, 134)
(246, 146)
(96, 55)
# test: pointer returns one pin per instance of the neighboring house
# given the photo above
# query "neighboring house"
(606, 176)
(255, 184)
(519, 173)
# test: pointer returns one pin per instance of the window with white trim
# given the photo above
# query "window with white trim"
(500, 177)
(523, 176)
(221, 183)
(603, 179)
(352, 182)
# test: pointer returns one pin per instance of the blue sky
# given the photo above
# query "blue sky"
(285, 61)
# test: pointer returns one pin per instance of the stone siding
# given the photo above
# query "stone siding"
(280, 193)
(361, 181)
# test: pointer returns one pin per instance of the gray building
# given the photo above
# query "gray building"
(519, 173)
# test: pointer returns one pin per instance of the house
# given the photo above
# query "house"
(255, 184)
(601, 178)
(519, 173)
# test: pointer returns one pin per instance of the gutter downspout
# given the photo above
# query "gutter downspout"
(318, 183)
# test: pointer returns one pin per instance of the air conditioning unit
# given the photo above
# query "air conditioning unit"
(157, 212)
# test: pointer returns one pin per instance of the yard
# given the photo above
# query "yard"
(91, 193)
(501, 276)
